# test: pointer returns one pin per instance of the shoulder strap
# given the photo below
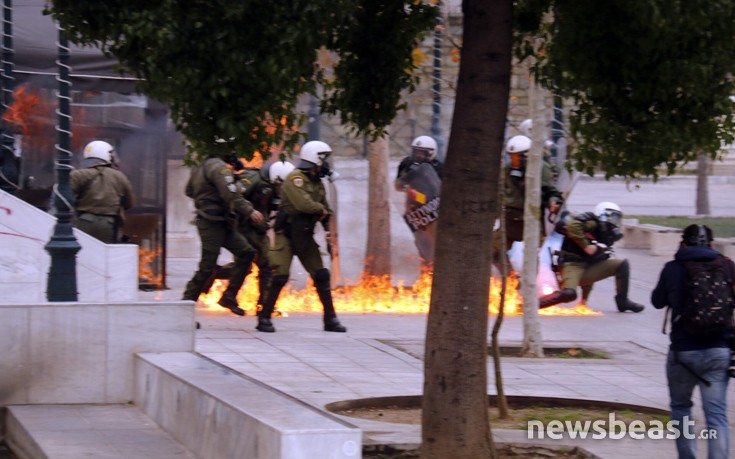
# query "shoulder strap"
(89, 183)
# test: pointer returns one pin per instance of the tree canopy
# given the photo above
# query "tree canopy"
(650, 80)
(234, 70)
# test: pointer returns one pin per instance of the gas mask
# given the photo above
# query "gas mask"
(518, 164)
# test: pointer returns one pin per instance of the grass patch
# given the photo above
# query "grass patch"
(721, 226)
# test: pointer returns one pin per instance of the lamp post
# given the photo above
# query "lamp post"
(436, 131)
(9, 163)
(63, 246)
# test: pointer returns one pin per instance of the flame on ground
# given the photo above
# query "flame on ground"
(147, 272)
(374, 294)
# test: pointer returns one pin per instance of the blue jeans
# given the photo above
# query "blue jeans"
(711, 364)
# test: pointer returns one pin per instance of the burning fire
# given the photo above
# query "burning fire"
(146, 268)
(374, 294)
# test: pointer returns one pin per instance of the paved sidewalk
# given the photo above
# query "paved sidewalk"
(380, 355)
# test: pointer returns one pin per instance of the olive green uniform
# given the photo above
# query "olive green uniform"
(304, 201)
(260, 193)
(514, 199)
(303, 204)
(102, 194)
(579, 269)
(219, 204)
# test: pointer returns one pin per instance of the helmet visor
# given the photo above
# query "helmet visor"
(613, 217)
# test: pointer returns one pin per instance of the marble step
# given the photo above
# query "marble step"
(216, 412)
(99, 431)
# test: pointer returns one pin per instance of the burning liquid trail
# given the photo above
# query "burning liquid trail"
(373, 294)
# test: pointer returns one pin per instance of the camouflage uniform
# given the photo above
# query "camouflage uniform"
(219, 203)
(102, 193)
(303, 204)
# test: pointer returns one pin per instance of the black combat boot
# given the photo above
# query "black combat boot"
(269, 302)
(238, 273)
(321, 281)
(219, 272)
(264, 279)
(622, 281)
(265, 325)
(195, 286)
(229, 301)
(560, 296)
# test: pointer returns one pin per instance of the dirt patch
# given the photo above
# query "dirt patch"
(555, 352)
(510, 451)
(518, 417)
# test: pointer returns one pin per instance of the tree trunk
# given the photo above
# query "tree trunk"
(454, 408)
(377, 252)
(702, 185)
(532, 340)
(502, 400)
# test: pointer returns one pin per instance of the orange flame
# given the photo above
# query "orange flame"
(256, 162)
(32, 112)
(376, 294)
(146, 267)
(26, 101)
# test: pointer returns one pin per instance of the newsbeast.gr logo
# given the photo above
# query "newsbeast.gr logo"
(615, 429)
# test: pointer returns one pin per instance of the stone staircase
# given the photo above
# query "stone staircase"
(186, 406)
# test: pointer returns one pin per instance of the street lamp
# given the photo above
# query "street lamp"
(9, 173)
(436, 131)
(63, 246)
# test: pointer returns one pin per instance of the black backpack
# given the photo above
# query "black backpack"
(709, 300)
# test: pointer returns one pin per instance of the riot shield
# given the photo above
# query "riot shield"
(422, 186)
(333, 243)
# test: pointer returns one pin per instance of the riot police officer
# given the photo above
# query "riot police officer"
(514, 195)
(303, 205)
(585, 257)
(102, 193)
(423, 150)
(219, 203)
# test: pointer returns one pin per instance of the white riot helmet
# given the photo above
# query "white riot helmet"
(313, 153)
(278, 171)
(100, 150)
(526, 127)
(425, 143)
(518, 144)
(609, 212)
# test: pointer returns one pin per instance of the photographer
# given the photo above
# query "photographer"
(696, 359)
(585, 257)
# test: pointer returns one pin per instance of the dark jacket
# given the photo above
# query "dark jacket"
(671, 291)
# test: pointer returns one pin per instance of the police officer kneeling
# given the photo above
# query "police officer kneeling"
(585, 257)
